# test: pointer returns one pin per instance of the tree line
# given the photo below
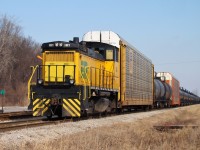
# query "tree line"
(17, 54)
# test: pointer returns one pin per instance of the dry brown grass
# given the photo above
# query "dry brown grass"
(139, 135)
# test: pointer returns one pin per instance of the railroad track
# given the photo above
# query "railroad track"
(15, 115)
(34, 122)
(41, 121)
(27, 123)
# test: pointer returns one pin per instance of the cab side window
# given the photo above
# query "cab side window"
(109, 54)
(116, 55)
(112, 54)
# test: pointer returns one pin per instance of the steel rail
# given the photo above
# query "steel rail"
(26, 123)
(19, 114)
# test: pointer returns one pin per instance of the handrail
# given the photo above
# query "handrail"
(56, 72)
(88, 80)
(29, 81)
(109, 75)
(84, 83)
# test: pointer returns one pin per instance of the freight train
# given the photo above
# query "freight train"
(102, 73)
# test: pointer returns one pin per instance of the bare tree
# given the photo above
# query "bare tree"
(8, 35)
(17, 54)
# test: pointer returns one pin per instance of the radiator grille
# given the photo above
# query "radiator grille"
(60, 56)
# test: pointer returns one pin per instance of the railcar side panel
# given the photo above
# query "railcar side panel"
(122, 74)
(138, 77)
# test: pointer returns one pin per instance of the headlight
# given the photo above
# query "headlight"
(60, 44)
(40, 81)
(71, 81)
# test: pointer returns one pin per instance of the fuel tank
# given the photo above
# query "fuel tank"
(159, 89)
(168, 91)
(101, 105)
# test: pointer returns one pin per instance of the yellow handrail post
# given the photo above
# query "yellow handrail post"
(84, 84)
(29, 81)
(88, 80)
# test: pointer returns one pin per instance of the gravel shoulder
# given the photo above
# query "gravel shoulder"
(40, 135)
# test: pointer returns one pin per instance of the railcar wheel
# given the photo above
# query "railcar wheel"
(49, 117)
(151, 107)
(84, 113)
(60, 115)
(157, 105)
(146, 108)
(119, 110)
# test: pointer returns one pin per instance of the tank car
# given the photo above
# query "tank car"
(162, 93)
(184, 97)
(187, 97)
(171, 81)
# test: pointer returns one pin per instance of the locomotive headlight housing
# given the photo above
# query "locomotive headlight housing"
(71, 81)
(60, 44)
(56, 44)
(68, 80)
(40, 81)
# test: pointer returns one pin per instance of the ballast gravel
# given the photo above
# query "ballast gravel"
(43, 134)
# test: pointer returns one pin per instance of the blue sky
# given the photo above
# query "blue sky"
(166, 31)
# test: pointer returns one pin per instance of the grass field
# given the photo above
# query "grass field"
(139, 135)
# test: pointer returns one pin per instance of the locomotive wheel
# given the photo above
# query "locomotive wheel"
(84, 113)
(157, 105)
(49, 117)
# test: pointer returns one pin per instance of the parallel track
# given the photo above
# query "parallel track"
(36, 122)
(33, 122)
(15, 115)
(27, 123)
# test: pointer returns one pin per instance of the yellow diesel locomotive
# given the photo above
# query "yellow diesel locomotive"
(102, 73)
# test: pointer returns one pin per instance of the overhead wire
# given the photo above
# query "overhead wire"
(183, 62)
